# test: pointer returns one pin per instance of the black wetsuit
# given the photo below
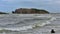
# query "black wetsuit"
(52, 31)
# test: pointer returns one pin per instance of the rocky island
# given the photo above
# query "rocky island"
(30, 11)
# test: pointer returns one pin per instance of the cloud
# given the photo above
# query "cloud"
(58, 1)
(15, 0)
(7, 0)
(44, 4)
(34, 1)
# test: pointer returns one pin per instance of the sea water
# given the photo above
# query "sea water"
(29, 23)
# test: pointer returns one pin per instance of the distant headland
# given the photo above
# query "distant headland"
(3, 12)
(27, 11)
(30, 11)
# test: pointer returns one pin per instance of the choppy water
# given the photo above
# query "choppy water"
(29, 23)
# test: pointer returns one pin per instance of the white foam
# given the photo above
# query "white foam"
(41, 24)
(47, 22)
(53, 18)
(25, 27)
(17, 29)
(3, 33)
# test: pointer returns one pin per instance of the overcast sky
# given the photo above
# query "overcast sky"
(10, 5)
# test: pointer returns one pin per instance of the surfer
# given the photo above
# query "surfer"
(52, 31)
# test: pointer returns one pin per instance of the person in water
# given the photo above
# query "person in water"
(52, 31)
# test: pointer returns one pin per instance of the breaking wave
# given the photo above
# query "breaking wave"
(26, 27)
(31, 26)
(17, 29)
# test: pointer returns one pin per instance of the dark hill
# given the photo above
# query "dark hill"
(29, 11)
(3, 13)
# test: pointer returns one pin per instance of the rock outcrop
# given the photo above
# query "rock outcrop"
(3, 13)
(29, 11)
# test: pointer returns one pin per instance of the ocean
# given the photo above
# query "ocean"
(29, 23)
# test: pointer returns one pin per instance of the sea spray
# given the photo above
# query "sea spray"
(40, 24)
(53, 18)
(26, 27)
(16, 29)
